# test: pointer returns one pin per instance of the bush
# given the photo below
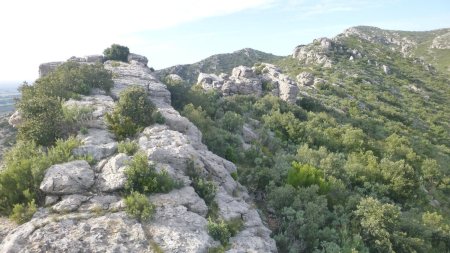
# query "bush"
(304, 175)
(117, 52)
(142, 177)
(139, 207)
(204, 188)
(128, 147)
(25, 165)
(22, 213)
(133, 112)
(43, 120)
(219, 231)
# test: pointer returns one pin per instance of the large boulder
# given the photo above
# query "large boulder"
(48, 67)
(209, 81)
(68, 178)
(139, 58)
(242, 71)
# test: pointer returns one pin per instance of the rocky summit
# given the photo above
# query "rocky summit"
(84, 209)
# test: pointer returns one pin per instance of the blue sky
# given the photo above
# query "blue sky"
(174, 32)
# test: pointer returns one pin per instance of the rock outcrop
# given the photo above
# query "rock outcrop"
(85, 210)
(250, 81)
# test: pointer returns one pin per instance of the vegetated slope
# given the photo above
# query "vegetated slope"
(218, 63)
(359, 163)
(430, 46)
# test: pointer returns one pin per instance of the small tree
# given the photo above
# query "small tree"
(117, 52)
(133, 112)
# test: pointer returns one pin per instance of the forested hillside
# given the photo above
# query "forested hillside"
(360, 162)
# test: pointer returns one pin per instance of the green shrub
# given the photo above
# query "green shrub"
(204, 188)
(232, 122)
(219, 231)
(22, 213)
(138, 206)
(25, 165)
(128, 147)
(133, 112)
(43, 120)
(142, 177)
(304, 175)
(117, 52)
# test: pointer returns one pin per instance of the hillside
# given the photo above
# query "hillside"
(354, 157)
(218, 63)
(343, 146)
(429, 46)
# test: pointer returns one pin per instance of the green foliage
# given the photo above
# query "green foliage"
(232, 122)
(138, 206)
(117, 52)
(143, 177)
(22, 213)
(44, 118)
(25, 165)
(128, 147)
(133, 111)
(222, 231)
(304, 175)
(204, 188)
(375, 142)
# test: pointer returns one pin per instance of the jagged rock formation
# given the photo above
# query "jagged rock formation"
(85, 211)
(250, 81)
(220, 63)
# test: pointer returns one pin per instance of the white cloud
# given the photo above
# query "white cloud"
(33, 32)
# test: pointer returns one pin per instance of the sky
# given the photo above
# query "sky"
(171, 32)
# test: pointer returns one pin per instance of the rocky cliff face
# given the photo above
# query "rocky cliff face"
(85, 211)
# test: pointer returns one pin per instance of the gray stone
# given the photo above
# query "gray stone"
(46, 68)
(139, 58)
(386, 69)
(16, 119)
(94, 58)
(68, 178)
(112, 176)
(242, 71)
(185, 196)
(305, 79)
(50, 200)
(209, 81)
(69, 203)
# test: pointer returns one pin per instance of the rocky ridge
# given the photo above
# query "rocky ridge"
(217, 64)
(85, 210)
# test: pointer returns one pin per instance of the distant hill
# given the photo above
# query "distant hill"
(219, 63)
(430, 46)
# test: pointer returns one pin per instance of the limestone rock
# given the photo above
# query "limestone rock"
(112, 177)
(69, 203)
(386, 69)
(112, 232)
(136, 73)
(185, 196)
(94, 58)
(441, 42)
(242, 71)
(16, 119)
(209, 81)
(305, 79)
(174, 78)
(175, 229)
(68, 178)
(98, 143)
(99, 104)
(139, 58)
(46, 68)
